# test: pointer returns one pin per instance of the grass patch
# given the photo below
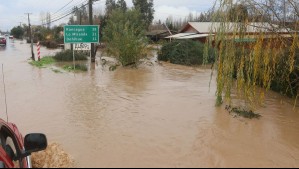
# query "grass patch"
(43, 62)
(62, 56)
(79, 67)
(67, 55)
(249, 114)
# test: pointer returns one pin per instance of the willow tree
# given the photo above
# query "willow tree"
(255, 49)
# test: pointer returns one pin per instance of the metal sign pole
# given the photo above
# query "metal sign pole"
(74, 59)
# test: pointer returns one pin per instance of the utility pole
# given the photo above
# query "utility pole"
(93, 58)
(284, 13)
(30, 34)
(80, 18)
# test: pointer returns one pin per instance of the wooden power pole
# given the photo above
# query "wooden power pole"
(30, 36)
(93, 57)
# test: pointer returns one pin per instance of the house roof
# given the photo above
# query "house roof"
(195, 36)
(251, 27)
(157, 32)
(180, 35)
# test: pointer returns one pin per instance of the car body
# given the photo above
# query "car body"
(15, 151)
(2, 40)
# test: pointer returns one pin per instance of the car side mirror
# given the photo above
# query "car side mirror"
(35, 142)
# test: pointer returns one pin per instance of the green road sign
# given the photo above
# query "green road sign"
(81, 34)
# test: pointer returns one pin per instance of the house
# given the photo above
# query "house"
(201, 31)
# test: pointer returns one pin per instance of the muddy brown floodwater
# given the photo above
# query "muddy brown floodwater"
(154, 116)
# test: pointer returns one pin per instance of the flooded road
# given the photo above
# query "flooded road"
(154, 116)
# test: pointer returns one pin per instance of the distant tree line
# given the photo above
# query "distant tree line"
(146, 8)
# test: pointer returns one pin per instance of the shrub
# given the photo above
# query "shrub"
(185, 52)
(50, 44)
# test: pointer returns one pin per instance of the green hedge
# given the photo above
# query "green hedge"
(184, 52)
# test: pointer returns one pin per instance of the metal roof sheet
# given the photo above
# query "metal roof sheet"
(180, 35)
(251, 27)
(195, 36)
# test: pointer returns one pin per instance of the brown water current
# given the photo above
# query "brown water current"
(155, 116)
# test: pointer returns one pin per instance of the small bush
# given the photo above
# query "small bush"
(185, 52)
(50, 44)
(67, 55)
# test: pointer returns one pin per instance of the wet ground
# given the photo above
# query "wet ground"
(155, 116)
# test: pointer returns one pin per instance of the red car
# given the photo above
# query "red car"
(2, 40)
(15, 151)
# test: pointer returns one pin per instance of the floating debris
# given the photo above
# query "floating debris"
(242, 112)
(52, 157)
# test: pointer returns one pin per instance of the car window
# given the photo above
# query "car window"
(8, 144)
(13, 153)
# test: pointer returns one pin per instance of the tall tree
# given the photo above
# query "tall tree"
(17, 32)
(121, 4)
(110, 6)
(147, 11)
(238, 13)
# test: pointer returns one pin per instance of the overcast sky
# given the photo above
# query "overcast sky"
(12, 12)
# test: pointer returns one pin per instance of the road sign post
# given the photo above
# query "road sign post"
(81, 34)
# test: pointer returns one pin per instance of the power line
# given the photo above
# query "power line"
(68, 9)
(64, 13)
(62, 16)
(63, 7)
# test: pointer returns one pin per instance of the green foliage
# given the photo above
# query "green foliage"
(81, 67)
(17, 32)
(290, 85)
(43, 62)
(125, 36)
(147, 10)
(186, 52)
(67, 55)
(111, 5)
(122, 5)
